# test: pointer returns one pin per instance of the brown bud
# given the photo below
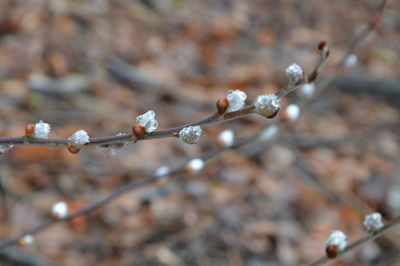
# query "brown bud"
(138, 130)
(313, 76)
(273, 114)
(331, 251)
(222, 105)
(29, 130)
(327, 53)
(321, 45)
(73, 149)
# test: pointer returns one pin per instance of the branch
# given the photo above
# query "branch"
(359, 242)
(216, 118)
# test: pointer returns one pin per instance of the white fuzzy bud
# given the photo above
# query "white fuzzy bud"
(373, 222)
(195, 165)
(307, 90)
(42, 130)
(59, 210)
(190, 135)
(294, 73)
(338, 239)
(148, 121)
(267, 104)
(351, 60)
(236, 100)
(26, 240)
(5, 148)
(269, 132)
(162, 171)
(226, 138)
(79, 138)
(292, 112)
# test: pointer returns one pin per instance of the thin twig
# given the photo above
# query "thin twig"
(359, 242)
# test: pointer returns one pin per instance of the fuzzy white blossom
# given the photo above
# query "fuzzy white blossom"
(59, 210)
(351, 60)
(195, 165)
(162, 171)
(26, 240)
(236, 100)
(267, 104)
(148, 121)
(190, 135)
(292, 112)
(42, 130)
(373, 222)
(79, 138)
(226, 138)
(307, 90)
(5, 148)
(294, 73)
(269, 132)
(337, 238)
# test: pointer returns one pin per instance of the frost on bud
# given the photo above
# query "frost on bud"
(226, 138)
(29, 130)
(236, 100)
(26, 240)
(336, 242)
(269, 132)
(190, 135)
(373, 222)
(267, 105)
(162, 174)
(5, 148)
(59, 210)
(147, 121)
(41, 130)
(194, 165)
(292, 112)
(307, 90)
(294, 73)
(77, 140)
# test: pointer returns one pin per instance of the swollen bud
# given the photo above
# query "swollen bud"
(29, 130)
(222, 105)
(138, 130)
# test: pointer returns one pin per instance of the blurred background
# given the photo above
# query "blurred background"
(97, 64)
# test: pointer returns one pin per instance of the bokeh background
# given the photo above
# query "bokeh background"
(97, 64)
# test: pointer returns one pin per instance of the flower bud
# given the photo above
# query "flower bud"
(59, 210)
(236, 100)
(194, 165)
(294, 73)
(226, 138)
(162, 174)
(138, 130)
(77, 140)
(148, 121)
(29, 130)
(41, 130)
(222, 105)
(307, 90)
(373, 222)
(292, 112)
(191, 134)
(26, 240)
(267, 105)
(336, 242)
